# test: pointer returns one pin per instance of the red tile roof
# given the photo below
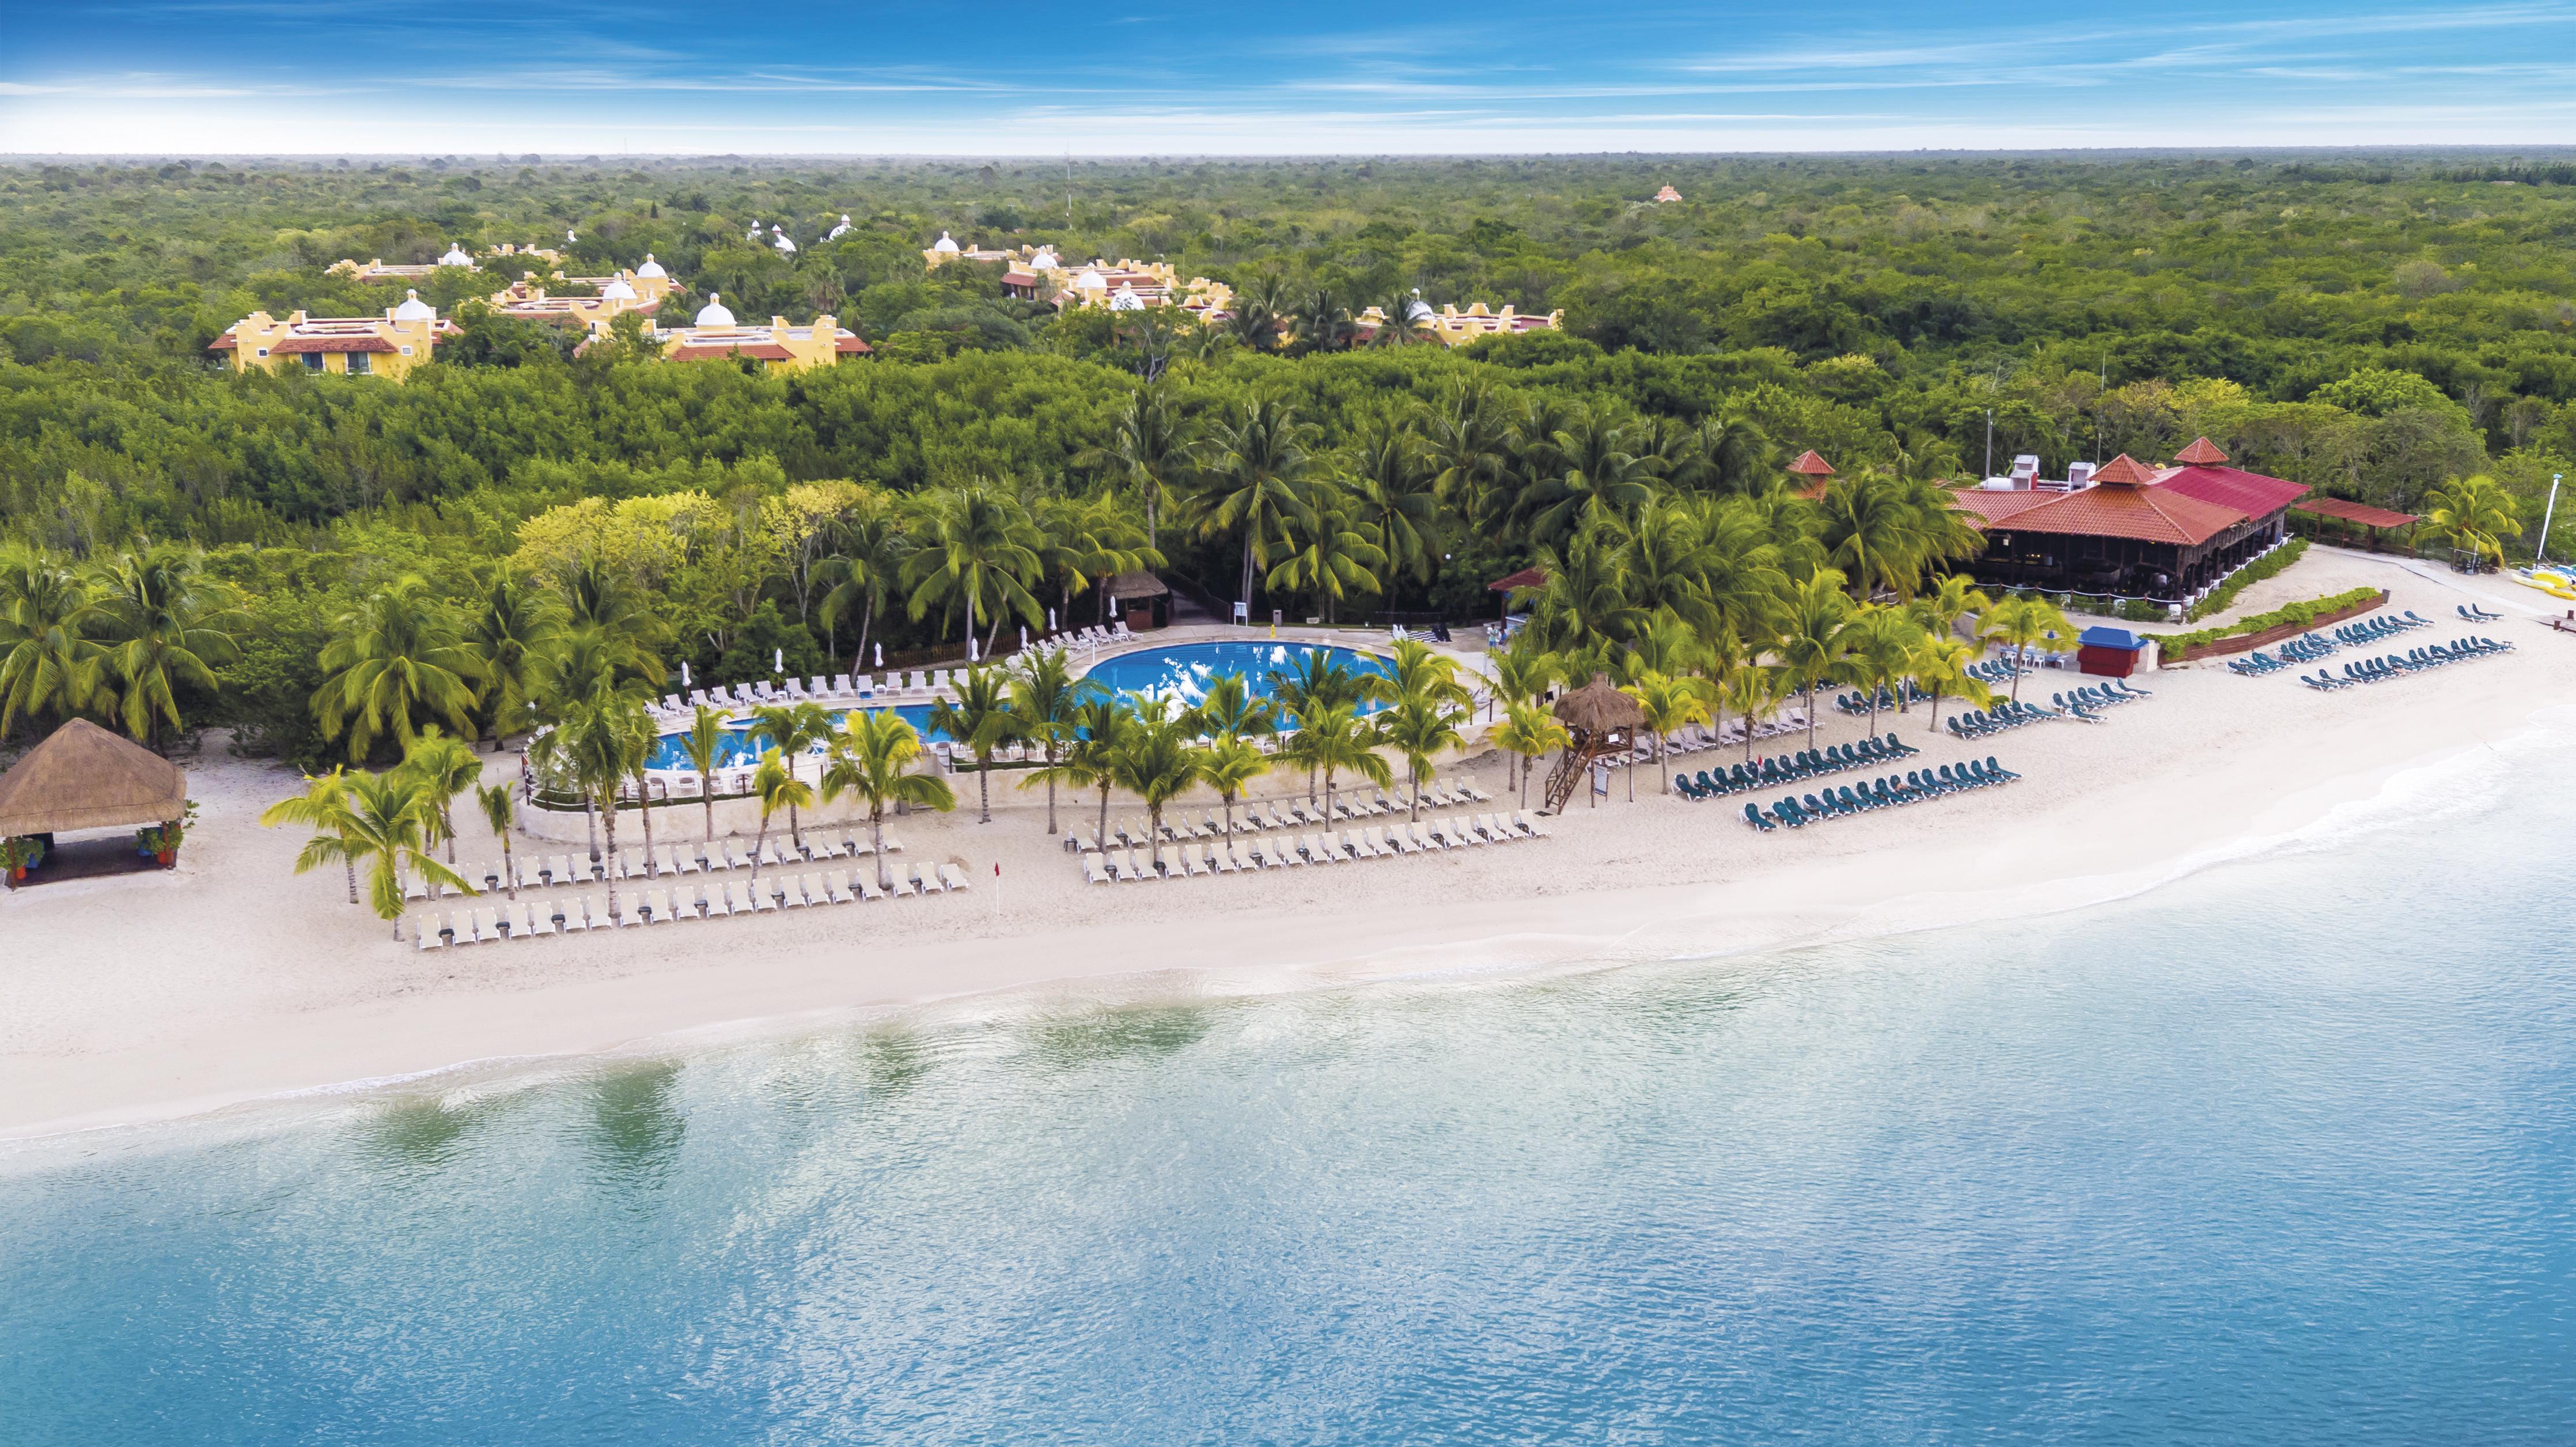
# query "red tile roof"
(2144, 514)
(851, 344)
(1992, 508)
(1525, 578)
(224, 343)
(2358, 512)
(2250, 493)
(706, 351)
(2123, 471)
(2202, 453)
(1812, 465)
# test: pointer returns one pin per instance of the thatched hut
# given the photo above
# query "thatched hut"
(1144, 600)
(84, 777)
(1599, 720)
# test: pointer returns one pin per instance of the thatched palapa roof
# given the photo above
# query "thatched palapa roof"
(1136, 585)
(87, 778)
(1597, 708)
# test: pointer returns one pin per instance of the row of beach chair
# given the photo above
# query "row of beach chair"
(1248, 853)
(1890, 792)
(526, 919)
(1858, 704)
(2475, 614)
(1697, 738)
(2086, 699)
(1257, 815)
(2009, 714)
(841, 686)
(2306, 648)
(1804, 764)
(2417, 660)
(714, 857)
(2378, 626)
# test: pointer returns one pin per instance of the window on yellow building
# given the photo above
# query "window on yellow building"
(313, 361)
(359, 364)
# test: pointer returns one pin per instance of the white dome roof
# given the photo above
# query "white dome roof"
(455, 256)
(650, 267)
(414, 309)
(782, 242)
(617, 289)
(944, 244)
(1091, 280)
(1126, 300)
(841, 230)
(1418, 310)
(1045, 260)
(713, 313)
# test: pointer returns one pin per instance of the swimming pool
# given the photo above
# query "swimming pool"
(1184, 670)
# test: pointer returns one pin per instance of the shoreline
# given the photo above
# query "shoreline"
(314, 1002)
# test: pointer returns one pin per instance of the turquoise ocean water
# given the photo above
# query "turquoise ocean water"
(2281, 1152)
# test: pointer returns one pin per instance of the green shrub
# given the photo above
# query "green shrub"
(2301, 613)
(2268, 566)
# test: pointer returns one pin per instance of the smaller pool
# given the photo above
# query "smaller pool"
(742, 749)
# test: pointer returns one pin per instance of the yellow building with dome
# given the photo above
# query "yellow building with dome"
(387, 346)
(778, 347)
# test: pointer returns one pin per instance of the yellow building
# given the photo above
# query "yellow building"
(1456, 328)
(387, 346)
(640, 290)
(778, 347)
(376, 271)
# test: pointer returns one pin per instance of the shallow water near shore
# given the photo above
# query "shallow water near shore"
(2283, 1151)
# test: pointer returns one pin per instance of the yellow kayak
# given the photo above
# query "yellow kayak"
(2555, 585)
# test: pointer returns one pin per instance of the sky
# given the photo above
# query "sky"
(330, 77)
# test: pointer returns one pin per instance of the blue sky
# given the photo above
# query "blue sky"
(331, 77)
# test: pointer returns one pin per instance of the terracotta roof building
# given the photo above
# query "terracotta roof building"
(715, 337)
(1817, 472)
(387, 346)
(1451, 327)
(2125, 530)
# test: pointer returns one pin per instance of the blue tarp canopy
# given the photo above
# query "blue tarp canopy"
(2110, 638)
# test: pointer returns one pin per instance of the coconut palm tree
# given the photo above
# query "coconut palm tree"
(1814, 648)
(1418, 727)
(792, 729)
(159, 628)
(1750, 690)
(1047, 701)
(394, 814)
(324, 808)
(1582, 598)
(1741, 457)
(776, 786)
(2021, 624)
(394, 662)
(872, 756)
(1955, 597)
(1336, 741)
(1465, 447)
(1321, 323)
(1100, 726)
(1313, 682)
(2475, 513)
(1416, 670)
(1255, 483)
(1520, 673)
(1257, 311)
(1330, 554)
(500, 806)
(1872, 533)
(1149, 449)
(981, 719)
(1669, 704)
(1392, 496)
(48, 663)
(1229, 763)
(868, 548)
(704, 743)
(1087, 538)
(447, 766)
(1880, 644)
(1599, 475)
(598, 595)
(1940, 666)
(509, 631)
(1528, 733)
(976, 553)
(1154, 759)
(588, 664)
(1230, 711)
(593, 748)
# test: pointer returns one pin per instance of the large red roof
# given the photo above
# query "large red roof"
(2359, 512)
(2145, 514)
(293, 345)
(705, 351)
(2250, 493)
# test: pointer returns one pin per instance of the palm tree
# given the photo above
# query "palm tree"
(1600, 476)
(1227, 765)
(1814, 647)
(1416, 670)
(1464, 446)
(1321, 323)
(1529, 732)
(1046, 701)
(1740, 456)
(872, 757)
(1100, 723)
(776, 786)
(1335, 740)
(1750, 691)
(2024, 623)
(446, 765)
(981, 719)
(1521, 672)
(598, 595)
(1668, 703)
(509, 631)
(1405, 320)
(1871, 532)
(1154, 759)
(1956, 596)
(1083, 538)
(393, 660)
(500, 805)
(587, 665)
(383, 820)
(1418, 727)
(48, 663)
(594, 748)
(1230, 711)
(1313, 682)
(1392, 496)
(977, 553)
(1255, 483)
(1255, 315)
(867, 560)
(1330, 555)
(159, 629)
(324, 808)
(1148, 450)
(704, 744)
(2475, 513)
(1582, 599)
(1940, 666)
(792, 729)
(1881, 644)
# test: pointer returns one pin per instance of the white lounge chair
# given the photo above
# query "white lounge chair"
(865, 881)
(898, 886)
(833, 890)
(926, 882)
(954, 877)
(719, 902)
(1530, 825)
(1093, 868)
(424, 936)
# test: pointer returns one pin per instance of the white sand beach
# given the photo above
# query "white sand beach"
(230, 978)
